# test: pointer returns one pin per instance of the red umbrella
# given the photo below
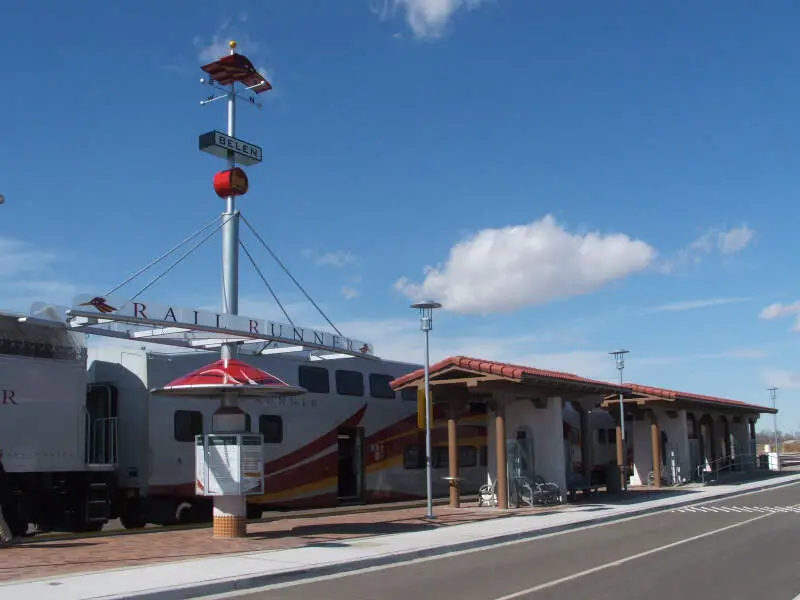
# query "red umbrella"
(229, 376)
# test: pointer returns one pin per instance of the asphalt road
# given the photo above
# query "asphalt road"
(684, 555)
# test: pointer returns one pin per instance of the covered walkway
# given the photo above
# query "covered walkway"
(566, 429)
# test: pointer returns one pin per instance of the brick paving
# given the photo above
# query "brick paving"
(43, 558)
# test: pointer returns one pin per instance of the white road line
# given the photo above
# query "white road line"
(627, 559)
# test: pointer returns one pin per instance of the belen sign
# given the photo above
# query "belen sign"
(7, 396)
(164, 315)
(219, 144)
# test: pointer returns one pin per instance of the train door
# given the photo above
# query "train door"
(101, 425)
(351, 464)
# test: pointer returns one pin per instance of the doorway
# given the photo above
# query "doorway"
(351, 464)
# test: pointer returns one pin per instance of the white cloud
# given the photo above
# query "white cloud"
(428, 18)
(781, 379)
(692, 305)
(727, 242)
(731, 241)
(734, 240)
(500, 270)
(350, 293)
(338, 258)
(27, 275)
(778, 310)
(217, 47)
(18, 257)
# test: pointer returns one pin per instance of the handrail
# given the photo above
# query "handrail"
(726, 463)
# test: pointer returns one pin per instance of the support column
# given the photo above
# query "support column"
(502, 461)
(655, 444)
(230, 512)
(621, 459)
(587, 436)
(452, 448)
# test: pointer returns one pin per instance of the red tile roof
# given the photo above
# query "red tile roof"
(509, 371)
(519, 372)
(675, 395)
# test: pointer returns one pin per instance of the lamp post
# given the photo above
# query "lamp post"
(619, 356)
(773, 396)
(426, 324)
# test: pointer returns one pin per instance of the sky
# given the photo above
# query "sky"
(566, 178)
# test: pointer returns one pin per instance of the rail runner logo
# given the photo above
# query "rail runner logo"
(7, 396)
(100, 304)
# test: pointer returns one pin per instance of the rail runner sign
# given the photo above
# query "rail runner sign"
(142, 312)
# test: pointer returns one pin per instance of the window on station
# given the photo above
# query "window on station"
(467, 456)
(379, 386)
(601, 436)
(484, 456)
(413, 457)
(478, 408)
(187, 424)
(409, 394)
(349, 383)
(271, 427)
(314, 379)
(612, 436)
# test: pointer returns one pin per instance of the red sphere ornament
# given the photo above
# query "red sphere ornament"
(232, 182)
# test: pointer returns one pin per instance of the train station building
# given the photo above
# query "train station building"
(564, 429)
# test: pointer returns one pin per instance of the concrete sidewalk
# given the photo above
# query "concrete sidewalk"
(195, 578)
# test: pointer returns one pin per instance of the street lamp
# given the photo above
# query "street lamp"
(619, 356)
(426, 324)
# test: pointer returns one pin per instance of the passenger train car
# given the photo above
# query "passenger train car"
(350, 438)
(57, 474)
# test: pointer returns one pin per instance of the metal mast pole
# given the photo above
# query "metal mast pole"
(230, 236)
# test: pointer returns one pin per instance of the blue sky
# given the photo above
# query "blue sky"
(566, 177)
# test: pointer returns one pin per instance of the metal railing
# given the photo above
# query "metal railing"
(740, 462)
(102, 447)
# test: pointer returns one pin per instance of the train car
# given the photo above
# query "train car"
(350, 438)
(57, 449)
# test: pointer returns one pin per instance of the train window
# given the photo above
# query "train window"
(187, 424)
(441, 457)
(467, 456)
(349, 383)
(413, 458)
(314, 379)
(409, 394)
(612, 436)
(247, 422)
(484, 456)
(379, 386)
(271, 427)
(601, 436)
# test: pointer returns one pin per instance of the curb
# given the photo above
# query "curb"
(252, 582)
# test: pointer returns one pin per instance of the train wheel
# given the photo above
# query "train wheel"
(254, 511)
(132, 516)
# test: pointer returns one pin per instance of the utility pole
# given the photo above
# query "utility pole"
(773, 395)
